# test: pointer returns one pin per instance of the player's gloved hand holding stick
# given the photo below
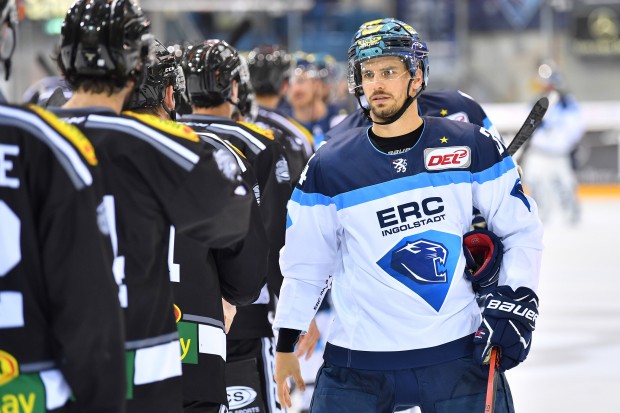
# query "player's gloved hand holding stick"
(509, 317)
(508, 320)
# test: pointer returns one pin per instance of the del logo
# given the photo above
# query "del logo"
(447, 158)
(177, 313)
(425, 264)
(240, 396)
(9, 368)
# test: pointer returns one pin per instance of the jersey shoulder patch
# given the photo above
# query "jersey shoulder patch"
(70, 132)
(168, 126)
(255, 128)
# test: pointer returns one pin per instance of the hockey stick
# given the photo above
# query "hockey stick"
(489, 404)
(532, 122)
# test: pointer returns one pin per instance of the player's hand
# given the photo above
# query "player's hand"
(287, 365)
(307, 342)
(508, 320)
(229, 314)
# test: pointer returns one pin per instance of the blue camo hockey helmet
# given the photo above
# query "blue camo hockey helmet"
(386, 37)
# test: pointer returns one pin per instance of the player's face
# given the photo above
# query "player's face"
(385, 81)
(303, 89)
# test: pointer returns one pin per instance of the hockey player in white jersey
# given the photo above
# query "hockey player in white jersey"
(379, 216)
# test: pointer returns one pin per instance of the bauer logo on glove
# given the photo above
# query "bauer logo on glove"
(508, 320)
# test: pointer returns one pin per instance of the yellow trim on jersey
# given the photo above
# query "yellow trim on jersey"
(255, 128)
(233, 147)
(70, 132)
(168, 126)
(303, 130)
(9, 369)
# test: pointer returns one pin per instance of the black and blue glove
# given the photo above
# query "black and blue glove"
(508, 320)
(483, 255)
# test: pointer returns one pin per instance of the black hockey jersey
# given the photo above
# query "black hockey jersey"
(201, 277)
(61, 333)
(158, 174)
(270, 166)
(296, 139)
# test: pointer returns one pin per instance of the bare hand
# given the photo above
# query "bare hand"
(307, 342)
(287, 365)
(229, 314)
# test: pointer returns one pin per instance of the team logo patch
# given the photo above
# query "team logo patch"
(9, 369)
(425, 263)
(240, 396)
(452, 157)
(227, 164)
(177, 313)
(459, 117)
(282, 172)
(400, 165)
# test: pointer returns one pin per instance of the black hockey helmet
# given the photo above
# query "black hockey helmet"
(162, 72)
(8, 16)
(270, 67)
(210, 67)
(107, 39)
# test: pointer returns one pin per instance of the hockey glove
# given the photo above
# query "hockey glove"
(508, 320)
(483, 255)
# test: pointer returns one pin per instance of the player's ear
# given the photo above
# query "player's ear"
(169, 97)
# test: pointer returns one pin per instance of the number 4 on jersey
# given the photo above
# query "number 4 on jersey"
(118, 265)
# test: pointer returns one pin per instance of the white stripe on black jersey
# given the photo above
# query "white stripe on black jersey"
(177, 153)
(65, 153)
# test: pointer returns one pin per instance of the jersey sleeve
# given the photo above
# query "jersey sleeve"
(511, 214)
(242, 269)
(308, 259)
(272, 173)
(210, 206)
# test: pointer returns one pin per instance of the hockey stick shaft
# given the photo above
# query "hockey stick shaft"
(532, 122)
(489, 405)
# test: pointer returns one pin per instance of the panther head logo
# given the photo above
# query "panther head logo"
(422, 261)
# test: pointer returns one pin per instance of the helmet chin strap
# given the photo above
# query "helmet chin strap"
(171, 112)
(400, 112)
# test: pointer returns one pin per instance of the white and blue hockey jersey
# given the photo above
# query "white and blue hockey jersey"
(386, 232)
